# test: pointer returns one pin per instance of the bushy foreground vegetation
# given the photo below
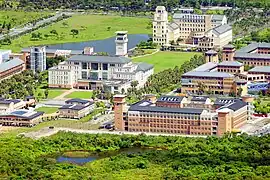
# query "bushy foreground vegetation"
(239, 157)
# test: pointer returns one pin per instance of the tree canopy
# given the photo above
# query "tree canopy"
(229, 157)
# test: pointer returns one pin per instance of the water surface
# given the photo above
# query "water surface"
(105, 45)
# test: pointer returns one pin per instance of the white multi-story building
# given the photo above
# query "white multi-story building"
(38, 58)
(112, 73)
(64, 75)
(202, 31)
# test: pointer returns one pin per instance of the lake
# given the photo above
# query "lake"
(93, 157)
(105, 45)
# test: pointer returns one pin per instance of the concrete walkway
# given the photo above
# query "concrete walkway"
(146, 54)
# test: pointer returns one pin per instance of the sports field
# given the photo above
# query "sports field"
(90, 27)
(80, 94)
(165, 60)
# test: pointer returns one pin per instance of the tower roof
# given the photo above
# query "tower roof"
(121, 32)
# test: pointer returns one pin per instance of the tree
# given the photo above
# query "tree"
(239, 91)
(54, 32)
(65, 24)
(108, 28)
(46, 93)
(74, 32)
(134, 84)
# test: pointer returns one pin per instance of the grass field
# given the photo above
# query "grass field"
(57, 123)
(47, 110)
(52, 93)
(165, 60)
(90, 27)
(80, 94)
(20, 17)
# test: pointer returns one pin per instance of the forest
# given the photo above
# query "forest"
(138, 5)
(229, 157)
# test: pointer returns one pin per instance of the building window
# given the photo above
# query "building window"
(84, 65)
(105, 67)
(94, 66)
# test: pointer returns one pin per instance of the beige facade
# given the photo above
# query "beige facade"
(165, 116)
(202, 31)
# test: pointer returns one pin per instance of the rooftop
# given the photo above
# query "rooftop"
(206, 67)
(208, 74)
(61, 51)
(223, 101)
(262, 69)
(211, 52)
(235, 105)
(253, 46)
(199, 98)
(147, 106)
(229, 46)
(222, 29)
(244, 55)
(100, 59)
(77, 100)
(8, 101)
(74, 107)
(170, 99)
(173, 26)
(121, 32)
(24, 114)
(217, 17)
(10, 64)
(230, 63)
(144, 67)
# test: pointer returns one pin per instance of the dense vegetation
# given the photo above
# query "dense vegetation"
(23, 84)
(239, 157)
(126, 5)
(10, 19)
(164, 81)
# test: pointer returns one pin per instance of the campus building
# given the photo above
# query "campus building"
(10, 68)
(21, 118)
(255, 54)
(76, 108)
(91, 72)
(215, 78)
(168, 115)
(38, 59)
(64, 76)
(8, 105)
(4, 55)
(202, 31)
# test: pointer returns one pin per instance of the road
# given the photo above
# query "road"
(18, 30)
(45, 132)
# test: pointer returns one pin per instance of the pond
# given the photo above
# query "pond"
(96, 156)
(105, 45)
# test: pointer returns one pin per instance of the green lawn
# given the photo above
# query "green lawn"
(20, 17)
(52, 93)
(91, 27)
(80, 94)
(57, 123)
(47, 110)
(165, 60)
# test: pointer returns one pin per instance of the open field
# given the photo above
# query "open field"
(47, 110)
(165, 60)
(80, 94)
(16, 18)
(52, 93)
(90, 27)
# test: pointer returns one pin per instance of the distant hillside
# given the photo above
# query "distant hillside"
(127, 5)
